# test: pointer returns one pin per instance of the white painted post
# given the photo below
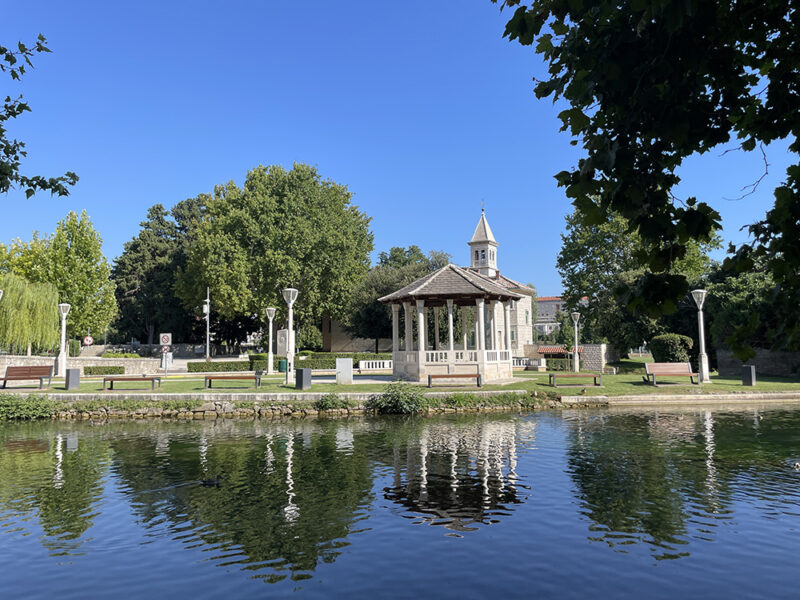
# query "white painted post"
(492, 325)
(409, 325)
(395, 327)
(464, 325)
(480, 324)
(422, 330)
(435, 327)
(507, 323)
(450, 343)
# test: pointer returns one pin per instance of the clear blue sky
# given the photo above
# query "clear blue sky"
(421, 108)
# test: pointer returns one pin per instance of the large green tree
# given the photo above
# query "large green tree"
(16, 61)
(650, 83)
(146, 271)
(281, 229)
(368, 318)
(28, 314)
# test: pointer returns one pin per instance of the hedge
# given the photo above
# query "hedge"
(671, 347)
(559, 364)
(215, 366)
(109, 354)
(103, 370)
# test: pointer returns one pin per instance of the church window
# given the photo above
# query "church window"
(483, 254)
(476, 256)
(527, 316)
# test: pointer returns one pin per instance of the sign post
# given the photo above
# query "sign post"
(165, 339)
(88, 340)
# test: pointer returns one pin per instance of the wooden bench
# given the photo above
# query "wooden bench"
(476, 376)
(151, 379)
(668, 370)
(598, 377)
(29, 373)
(255, 378)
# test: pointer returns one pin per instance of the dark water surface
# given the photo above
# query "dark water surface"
(608, 504)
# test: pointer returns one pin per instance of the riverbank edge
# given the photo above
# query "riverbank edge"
(249, 406)
(280, 405)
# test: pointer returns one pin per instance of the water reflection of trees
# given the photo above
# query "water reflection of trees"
(55, 475)
(290, 493)
(458, 473)
(663, 477)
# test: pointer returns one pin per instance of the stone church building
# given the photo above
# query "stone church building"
(483, 251)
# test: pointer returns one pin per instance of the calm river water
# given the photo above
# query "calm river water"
(607, 504)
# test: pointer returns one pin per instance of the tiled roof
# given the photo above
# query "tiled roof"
(483, 233)
(555, 350)
(502, 281)
(451, 282)
(549, 298)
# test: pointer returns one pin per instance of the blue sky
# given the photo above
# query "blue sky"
(421, 108)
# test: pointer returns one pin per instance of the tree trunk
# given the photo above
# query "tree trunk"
(29, 348)
(376, 345)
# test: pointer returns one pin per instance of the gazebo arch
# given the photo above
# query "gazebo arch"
(476, 296)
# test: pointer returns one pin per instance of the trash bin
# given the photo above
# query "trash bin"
(73, 380)
(302, 379)
(749, 375)
(282, 364)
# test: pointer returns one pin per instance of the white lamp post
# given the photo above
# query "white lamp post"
(61, 367)
(270, 316)
(1, 294)
(207, 313)
(576, 316)
(290, 295)
(699, 298)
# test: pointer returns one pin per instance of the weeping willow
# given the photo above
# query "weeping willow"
(28, 314)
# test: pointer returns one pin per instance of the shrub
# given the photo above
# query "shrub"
(109, 354)
(330, 401)
(398, 399)
(559, 364)
(671, 347)
(259, 361)
(216, 366)
(17, 406)
(103, 370)
(74, 347)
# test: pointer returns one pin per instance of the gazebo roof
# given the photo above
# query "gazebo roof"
(450, 283)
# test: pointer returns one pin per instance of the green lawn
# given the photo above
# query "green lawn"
(613, 385)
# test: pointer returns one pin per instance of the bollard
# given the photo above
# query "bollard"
(749, 375)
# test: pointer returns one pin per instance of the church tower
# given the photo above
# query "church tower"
(483, 249)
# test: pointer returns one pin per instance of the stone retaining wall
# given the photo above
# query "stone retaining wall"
(766, 362)
(133, 366)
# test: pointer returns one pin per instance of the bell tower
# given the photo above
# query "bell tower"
(483, 248)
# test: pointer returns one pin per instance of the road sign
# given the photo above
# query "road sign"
(165, 339)
(164, 349)
(88, 340)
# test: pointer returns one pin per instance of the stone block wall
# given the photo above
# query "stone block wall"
(766, 362)
(134, 366)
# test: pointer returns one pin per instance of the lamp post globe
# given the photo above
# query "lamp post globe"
(576, 316)
(61, 363)
(290, 295)
(699, 297)
(270, 315)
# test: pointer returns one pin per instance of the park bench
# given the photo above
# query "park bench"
(210, 378)
(151, 379)
(476, 376)
(598, 377)
(29, 373)
(667, 370)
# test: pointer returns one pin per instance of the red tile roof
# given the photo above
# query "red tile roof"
(549, 298)
(555, 350)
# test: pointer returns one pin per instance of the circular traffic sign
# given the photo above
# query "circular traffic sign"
(164, 349)
(88, 340)
(166, 339)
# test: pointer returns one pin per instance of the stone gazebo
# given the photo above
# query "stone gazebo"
(448, 288)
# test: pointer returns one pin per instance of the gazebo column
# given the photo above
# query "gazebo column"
(492, 326)
(422, 330)
(479, 325)
(450, 344)
(507, 323)
(409, 325)
(435, 327)
(395, 328)
(464, 325)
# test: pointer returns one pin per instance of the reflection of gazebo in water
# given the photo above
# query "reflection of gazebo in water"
(477, 297)
(460, 475)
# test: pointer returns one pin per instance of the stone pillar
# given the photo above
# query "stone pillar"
(409, 324)
(479, 325)
(507, 323)
(395, 327)
(464, 325)
(422, 330)
(450, 344)
(435, 327)
(492, 326)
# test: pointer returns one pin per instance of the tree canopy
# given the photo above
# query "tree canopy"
(650, 83)
(28, 313)
(16, 61)
(280, 229)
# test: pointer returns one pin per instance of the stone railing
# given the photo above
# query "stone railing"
(466, 356)
(375, 365)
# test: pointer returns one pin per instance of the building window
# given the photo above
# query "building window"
(483, 254)
(527, 316)
(476, 256)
